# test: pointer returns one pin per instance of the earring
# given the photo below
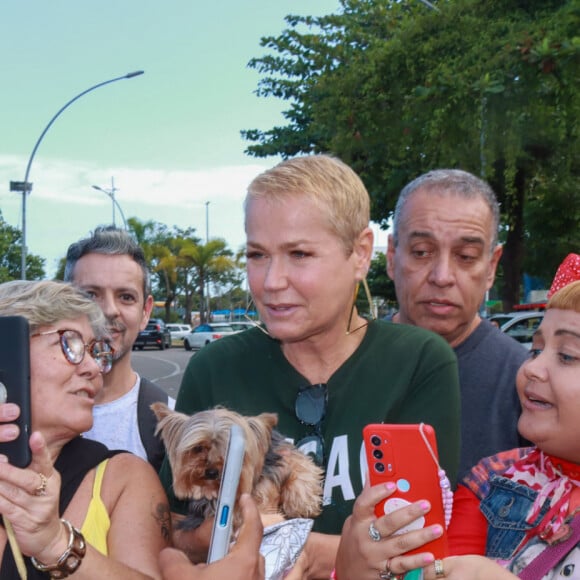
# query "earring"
(250, 319)
(372, 316)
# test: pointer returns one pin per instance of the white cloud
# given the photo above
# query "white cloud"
(63, 206)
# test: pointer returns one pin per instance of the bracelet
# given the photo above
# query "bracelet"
(71, 558)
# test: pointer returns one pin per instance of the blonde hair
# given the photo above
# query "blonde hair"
(331, 184)
(567, 298)
(46, 302)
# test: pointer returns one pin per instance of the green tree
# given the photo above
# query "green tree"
(11, 256)
(396, 89)
(381, 286)
(160, 246)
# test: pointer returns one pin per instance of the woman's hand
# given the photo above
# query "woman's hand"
(243, 562)
(359, 557)
(29, 500)
(468, 568)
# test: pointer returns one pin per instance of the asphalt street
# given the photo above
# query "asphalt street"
(163, 367)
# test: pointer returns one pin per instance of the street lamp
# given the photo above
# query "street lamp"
(25, 186)
(111, 194)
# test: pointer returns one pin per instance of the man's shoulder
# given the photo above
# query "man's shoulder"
(487, 339)
(408, 335)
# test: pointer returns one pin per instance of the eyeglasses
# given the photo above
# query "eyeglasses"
(74, 348)
(310, 409)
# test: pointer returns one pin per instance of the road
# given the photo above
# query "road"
(163, 367)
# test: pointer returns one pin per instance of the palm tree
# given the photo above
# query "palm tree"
(205, 263)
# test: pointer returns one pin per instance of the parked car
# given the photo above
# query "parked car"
(206, 333)
(155, 333)
(243, 324)
(178, 331)
(519, 325)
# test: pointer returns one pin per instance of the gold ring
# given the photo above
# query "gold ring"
(439, 572)
(41, 489)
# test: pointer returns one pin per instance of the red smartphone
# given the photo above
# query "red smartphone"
(407, 456)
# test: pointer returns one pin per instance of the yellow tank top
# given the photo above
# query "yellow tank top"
(97, 523)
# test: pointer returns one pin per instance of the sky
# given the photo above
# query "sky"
(170, 138)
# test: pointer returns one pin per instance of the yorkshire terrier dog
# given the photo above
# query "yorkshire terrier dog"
(282, 480)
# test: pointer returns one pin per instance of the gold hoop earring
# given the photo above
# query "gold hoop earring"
(251, 320)
(372, 316)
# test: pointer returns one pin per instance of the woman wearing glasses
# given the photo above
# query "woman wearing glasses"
(322, 367)
(77, 507)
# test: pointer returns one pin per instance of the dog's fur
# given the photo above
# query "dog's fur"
(279, 477)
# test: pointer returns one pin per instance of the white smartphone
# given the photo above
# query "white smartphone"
(222, 525)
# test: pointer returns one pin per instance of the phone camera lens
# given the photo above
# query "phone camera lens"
(379, 467)
(376, 440)
(377, 454)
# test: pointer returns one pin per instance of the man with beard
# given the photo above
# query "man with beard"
(110, 266)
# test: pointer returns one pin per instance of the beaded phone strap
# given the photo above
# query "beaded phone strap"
(16, 553)
(446, 493)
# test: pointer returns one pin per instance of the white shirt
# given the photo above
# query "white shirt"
(115, 422)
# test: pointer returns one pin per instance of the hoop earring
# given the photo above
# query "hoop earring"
(252, 321)
(372, 316)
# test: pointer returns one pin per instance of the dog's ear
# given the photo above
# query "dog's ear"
(169, 423)
(262, 426)
(161, 410)
(269, 420)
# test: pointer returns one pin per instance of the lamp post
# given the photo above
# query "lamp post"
(206, 222)
(207, 297)
(111, 194)
(25, 186)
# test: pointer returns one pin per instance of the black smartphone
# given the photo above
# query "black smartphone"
(15, 383)
(222, 526)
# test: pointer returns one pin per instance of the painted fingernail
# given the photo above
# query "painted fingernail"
(436, 530)
(425, 505)
(428, 559)
(390, 486)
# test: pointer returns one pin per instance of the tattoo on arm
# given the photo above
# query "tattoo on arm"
(163, 517)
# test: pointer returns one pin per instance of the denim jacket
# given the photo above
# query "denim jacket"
(505, 507)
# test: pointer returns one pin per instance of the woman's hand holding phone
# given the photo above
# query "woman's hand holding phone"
(362, 558)
(243, 562)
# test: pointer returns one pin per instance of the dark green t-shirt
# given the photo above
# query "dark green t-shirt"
(398, 374)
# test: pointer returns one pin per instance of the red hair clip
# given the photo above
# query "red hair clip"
(568, 271)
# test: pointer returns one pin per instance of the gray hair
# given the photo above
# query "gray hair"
(46, 302)
(111, 241)
(448, 181)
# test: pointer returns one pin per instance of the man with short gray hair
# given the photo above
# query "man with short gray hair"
(442, 257)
